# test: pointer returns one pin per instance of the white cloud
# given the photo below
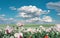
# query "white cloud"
(2, 15)
(6, 19)
(33, 19)
(31, 13)
(22, 14)
(58, 14)
(32, 9)
(13, 8)
(54, 5)
(36, 18)
(3, 19)
(11, 19)
(47, 19)
(44, 19)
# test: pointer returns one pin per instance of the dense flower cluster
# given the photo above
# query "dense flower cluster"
(21, 32)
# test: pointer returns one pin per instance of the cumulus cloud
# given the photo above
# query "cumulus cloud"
(32, 13)
(43, 19)
(32, 9)
(13, 8)
(54, 5)
(47, 19)
(34, 19)
(23, 14)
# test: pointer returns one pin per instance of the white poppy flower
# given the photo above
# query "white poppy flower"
(18, 35)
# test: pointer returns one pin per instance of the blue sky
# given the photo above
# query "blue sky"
(11, 11)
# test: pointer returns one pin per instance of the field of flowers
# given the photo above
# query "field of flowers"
(21, 31)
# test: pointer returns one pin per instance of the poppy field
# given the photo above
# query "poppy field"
(30, 31)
